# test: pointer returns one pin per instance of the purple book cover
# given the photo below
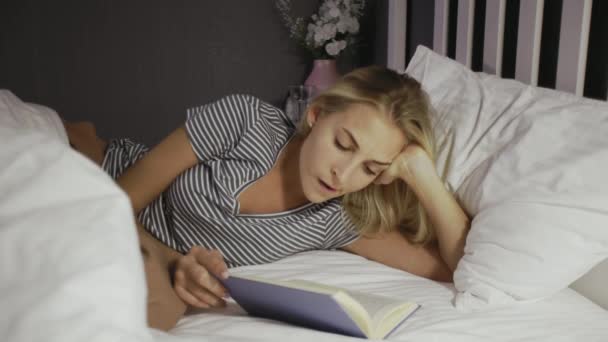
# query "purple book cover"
(299, 307)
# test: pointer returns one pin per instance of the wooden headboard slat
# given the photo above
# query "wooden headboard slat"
(440, 27)
(494, 36)
(397, 24)
(528, 41)
(573, 41)
(464, 32)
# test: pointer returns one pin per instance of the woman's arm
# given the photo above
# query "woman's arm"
(451, 223)
(145, 180)
(394, 250)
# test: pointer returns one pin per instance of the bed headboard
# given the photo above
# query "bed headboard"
(569, 72)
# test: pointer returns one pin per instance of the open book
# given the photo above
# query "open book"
(320, 306)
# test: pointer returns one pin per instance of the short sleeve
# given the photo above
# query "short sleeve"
(340, 230)
(216, 128)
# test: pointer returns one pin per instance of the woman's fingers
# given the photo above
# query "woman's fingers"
(195, 278)
(213, 261)
(203, 279)
(189, 298)
(193, 292)
(205, 296)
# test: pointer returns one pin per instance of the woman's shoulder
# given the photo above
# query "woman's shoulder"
(266, 109)
(242, 106)
(233, 103)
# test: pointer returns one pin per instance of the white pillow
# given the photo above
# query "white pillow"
(70, 268)
(530, 165)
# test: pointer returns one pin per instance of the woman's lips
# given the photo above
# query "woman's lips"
(326, 186)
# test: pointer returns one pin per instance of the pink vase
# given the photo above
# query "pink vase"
(323, 75)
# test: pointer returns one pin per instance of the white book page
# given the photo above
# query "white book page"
(385, 312)
(298, 284)
(312, 286)
(376, 306)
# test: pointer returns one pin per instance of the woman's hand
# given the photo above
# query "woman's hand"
(414, 166)
(196, 278)
(413, 162)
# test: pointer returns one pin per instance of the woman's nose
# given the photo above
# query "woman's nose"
(340, 174)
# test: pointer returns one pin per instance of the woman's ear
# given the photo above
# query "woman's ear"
(311, 115)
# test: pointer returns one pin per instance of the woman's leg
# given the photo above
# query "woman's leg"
(164, 306)
(83, 138)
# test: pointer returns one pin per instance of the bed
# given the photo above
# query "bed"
(71, 269)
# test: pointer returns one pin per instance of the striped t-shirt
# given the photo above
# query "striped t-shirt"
(237, 140)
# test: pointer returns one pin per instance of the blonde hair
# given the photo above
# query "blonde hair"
(384, 208)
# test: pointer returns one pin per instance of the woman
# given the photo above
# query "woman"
(238, 185)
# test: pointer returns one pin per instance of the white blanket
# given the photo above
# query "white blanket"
(70, 268)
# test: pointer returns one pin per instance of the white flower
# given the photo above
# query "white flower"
(348, 24)
(342, 25)
(331, 5)
(334, 48)
(326, 32)
(354, 26)
(324, 12)
(323, 33)
(319, 36)
(334, 12)
(329, 31)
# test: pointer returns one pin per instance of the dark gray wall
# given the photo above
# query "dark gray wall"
(596, 77)
(133, 66)
(420, 14)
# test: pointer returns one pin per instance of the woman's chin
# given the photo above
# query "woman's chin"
(317, 196)
(314, 196)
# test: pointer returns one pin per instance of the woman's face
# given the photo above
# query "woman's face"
(345, 151)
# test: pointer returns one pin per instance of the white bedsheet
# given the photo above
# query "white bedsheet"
(568, 316)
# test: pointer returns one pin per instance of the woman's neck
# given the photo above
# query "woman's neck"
(289, 172)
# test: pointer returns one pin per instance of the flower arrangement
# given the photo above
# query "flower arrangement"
(327, 33)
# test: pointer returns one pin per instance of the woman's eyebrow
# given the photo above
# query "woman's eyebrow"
(352, 138)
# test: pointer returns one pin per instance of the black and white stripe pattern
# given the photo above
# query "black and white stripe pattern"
(237, 140)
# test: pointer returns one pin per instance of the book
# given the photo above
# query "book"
(319, 306)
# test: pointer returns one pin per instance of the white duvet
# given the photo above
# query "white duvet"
(71, 269)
